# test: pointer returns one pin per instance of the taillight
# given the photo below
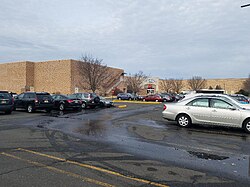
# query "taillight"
(164, 107)
(70, 101)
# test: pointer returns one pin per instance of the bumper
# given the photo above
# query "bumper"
(6, 107)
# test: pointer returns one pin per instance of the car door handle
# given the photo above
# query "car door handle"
(188, 108)
(214, 110)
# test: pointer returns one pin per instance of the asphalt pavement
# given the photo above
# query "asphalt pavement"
(127, 146)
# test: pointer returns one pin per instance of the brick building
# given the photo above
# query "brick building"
(58, 76)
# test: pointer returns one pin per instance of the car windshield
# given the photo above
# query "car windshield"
(4, 96)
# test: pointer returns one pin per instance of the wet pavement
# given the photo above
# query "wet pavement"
(137, 138)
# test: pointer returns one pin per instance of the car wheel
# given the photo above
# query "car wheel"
(246, 126)
(156, 100)
(61, 107)
(30, 108)
(144, 99)
(129, 98)
(84, 105)
(183, 120)
(119, 98)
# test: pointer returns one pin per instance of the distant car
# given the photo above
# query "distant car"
(32, 101)
(90, 100)
(154, 97)
(63, 102)
(168, 97)
(6, 102)
(106, 102)
(207, 110)
(125, 96)
(241, 98)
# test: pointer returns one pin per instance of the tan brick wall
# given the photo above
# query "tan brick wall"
(230, 85)
(13, 76)
(53, 76)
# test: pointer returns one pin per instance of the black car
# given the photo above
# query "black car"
(63, 102)
(32, 101)
(90, 100)
(6, 102)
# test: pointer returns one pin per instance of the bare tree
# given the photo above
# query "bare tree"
(247, 84)
(134, 82)
(94, 72)
(166, 85)
(177, 85)
(196, 83)
(171, 85)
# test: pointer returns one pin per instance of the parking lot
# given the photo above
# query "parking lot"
(119, 146)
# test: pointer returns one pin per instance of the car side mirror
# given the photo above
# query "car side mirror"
(232, 108)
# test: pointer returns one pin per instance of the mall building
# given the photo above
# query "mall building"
(57, 76)
(63, 76)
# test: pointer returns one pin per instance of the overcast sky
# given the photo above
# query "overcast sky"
(163, 38)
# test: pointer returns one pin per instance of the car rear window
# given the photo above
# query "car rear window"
(72, 96)
(5, 96)
(44, 96)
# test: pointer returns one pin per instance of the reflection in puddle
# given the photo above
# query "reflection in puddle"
(92, 128)
(207, 156)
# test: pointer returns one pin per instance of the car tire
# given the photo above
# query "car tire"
(246, 125)
(183, 120)
(61, 107)
(30, 108)
(84, 105)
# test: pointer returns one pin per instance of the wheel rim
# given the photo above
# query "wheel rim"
(30, 108)
(83, 105)
(183, 121)
(248, 126)
(61, 107)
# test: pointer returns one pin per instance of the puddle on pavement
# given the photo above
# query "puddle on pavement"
(94, 128)
(207, 156)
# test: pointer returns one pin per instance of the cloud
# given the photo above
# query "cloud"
(163, 38)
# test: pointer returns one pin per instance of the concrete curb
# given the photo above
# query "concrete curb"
(136, 102)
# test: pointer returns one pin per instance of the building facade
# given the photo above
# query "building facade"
(58, 76)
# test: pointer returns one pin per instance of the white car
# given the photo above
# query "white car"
(225, 96)
(208, 110)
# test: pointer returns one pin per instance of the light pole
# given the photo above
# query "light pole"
(245, 5)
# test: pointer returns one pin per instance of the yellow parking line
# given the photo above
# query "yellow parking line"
(136, 102)
(85, 179)
(95, 168)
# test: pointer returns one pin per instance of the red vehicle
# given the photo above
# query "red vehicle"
(155, 97)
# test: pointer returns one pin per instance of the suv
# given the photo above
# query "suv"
(88, 99)
(125, 96)
(32, 101)
(6, 102)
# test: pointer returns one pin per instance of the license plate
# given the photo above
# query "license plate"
(46, 101)
(76, 101)
(3, 102)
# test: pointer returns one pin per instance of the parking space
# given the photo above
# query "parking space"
(130, 146)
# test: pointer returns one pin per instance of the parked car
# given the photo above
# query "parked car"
(225, 96)
(241, 98)
(6, 102)
(125, 96)
(168, 97)
(207, 110)
(155, 97)
(106, 102)
(90, 100)
(32, 101)
(63, 102)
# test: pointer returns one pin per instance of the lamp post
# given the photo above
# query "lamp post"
(245, 5)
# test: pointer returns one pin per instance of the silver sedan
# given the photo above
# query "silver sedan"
(207, 110)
